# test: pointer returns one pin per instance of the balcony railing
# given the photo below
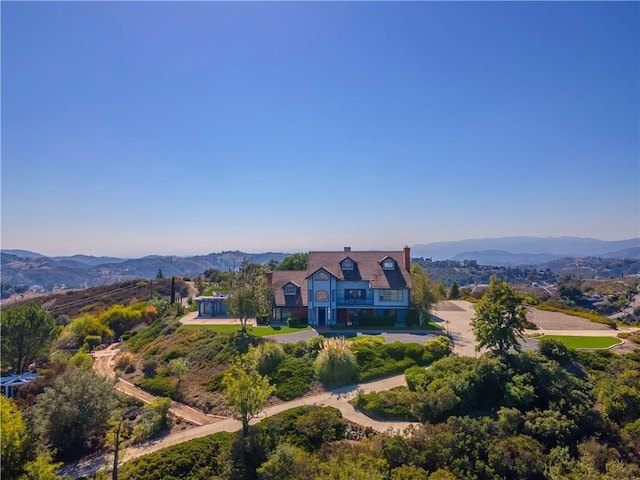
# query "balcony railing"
(355, 301)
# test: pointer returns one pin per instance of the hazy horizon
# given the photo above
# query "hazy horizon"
(303, 250)
(184, 128)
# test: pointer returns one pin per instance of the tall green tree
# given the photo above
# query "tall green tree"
(13, 438)
(500, 318)
(424, 293)
(27, 332)
(74, 411)
(297, 261)
(251, 297)
(454, 291)
(247, 391)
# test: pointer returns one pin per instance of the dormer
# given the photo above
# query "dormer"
(290, 288)
(388, 263)
(347, 264)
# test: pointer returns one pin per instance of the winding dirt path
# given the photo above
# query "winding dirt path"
(103, 365)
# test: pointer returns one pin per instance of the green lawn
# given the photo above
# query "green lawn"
(255, 331)
(585, 342)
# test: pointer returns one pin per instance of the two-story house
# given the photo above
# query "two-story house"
(345, 288)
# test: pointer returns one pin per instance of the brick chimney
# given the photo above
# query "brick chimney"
(270, 277)
(407, 257)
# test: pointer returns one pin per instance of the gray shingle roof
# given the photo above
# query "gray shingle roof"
(367, 267)
(280, 279)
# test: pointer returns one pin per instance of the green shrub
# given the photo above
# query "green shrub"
(414, 351)
(555, 350)
(150, 367)
(437, 348)
(215, 383)
(293, 378)
(380, 360)
(315, 343)
(416, 378)
(386, 369)
(305, 427)
(293, 322)
(160, 386)
(81, 360)
(368, 341)
(268, 356)
(186, 460)
(336, 364)
(395, 403)
(92, 341)
(395, 350)
(300, 349)
(172, 355)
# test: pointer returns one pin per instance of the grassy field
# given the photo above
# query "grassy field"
(255, 331)
(585, 342)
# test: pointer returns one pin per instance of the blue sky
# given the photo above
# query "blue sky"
(136, 128)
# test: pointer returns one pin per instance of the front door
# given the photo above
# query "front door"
(322, 315)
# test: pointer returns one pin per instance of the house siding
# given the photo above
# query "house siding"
(368, 279)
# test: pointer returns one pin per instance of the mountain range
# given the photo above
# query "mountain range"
(22, 267)
(511, 251)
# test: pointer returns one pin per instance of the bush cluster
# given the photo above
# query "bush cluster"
(394, 403)
(293, 378)
(384, 359)
(160, 386)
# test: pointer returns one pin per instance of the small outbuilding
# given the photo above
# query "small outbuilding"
(209, 307)
(9, 383)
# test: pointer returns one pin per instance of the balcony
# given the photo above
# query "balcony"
(348, 302)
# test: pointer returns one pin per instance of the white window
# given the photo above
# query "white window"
(290, 289)
(391, 295)
(388, 264)
(347, 264)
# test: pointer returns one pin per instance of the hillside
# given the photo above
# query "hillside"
(81, 271)
(73, 302)
(468, 272)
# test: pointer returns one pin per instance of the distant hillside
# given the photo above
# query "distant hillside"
(89, 260)
(555, 246)
(82, 271)
(505, 259)
(23, 253)
(72, 303)
(470, 271)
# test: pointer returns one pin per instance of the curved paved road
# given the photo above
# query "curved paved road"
(338, 398)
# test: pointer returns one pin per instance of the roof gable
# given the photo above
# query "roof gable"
(367, 267)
